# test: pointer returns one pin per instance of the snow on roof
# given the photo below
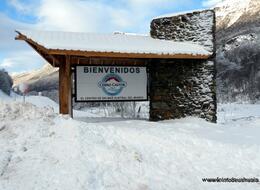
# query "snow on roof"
(116, 43)
(181, 13)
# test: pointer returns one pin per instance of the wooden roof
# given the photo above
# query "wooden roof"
(53, 47)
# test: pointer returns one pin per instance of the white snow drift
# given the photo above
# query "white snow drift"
(43, 150)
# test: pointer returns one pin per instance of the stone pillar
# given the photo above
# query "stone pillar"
(181, 88)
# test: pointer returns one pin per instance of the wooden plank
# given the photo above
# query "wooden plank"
(126, 55)
(65, 87)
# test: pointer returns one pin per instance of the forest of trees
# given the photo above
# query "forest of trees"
(239, 72)
(238, 51)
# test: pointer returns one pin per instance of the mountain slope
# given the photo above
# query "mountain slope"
(238, 50)
(44, 80)
(230, 12)
(35, 75)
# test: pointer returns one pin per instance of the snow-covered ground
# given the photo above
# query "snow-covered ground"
(42, 150)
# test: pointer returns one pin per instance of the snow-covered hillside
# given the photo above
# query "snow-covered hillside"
(33, 76)
(229, 12)
(238, 50)
(44, 80)
(41, 149)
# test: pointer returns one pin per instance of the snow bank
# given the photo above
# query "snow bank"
(229, 113)
(44, 150)
(45, 102)
(4, 97)
(16, 110)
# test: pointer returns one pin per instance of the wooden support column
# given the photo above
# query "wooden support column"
(65, 87)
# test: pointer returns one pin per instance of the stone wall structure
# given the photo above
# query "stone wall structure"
(180, 88)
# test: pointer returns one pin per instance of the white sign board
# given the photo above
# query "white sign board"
(110, 83)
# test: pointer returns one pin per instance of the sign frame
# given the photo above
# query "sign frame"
(110, 65)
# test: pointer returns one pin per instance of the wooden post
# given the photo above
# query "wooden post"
(65, 87)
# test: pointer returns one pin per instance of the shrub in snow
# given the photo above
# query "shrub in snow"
(6, 82)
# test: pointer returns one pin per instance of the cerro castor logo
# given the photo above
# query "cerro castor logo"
(112, 84)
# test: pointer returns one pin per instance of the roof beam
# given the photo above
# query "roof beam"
(42, 51)
(126, 55)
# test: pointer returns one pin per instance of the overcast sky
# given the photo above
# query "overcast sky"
(101, 16)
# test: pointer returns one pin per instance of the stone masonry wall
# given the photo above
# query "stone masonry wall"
(196, 27)
(180, 88)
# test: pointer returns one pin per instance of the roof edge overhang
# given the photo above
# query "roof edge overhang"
(41, 50)
(125, 55)
(50, 54)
